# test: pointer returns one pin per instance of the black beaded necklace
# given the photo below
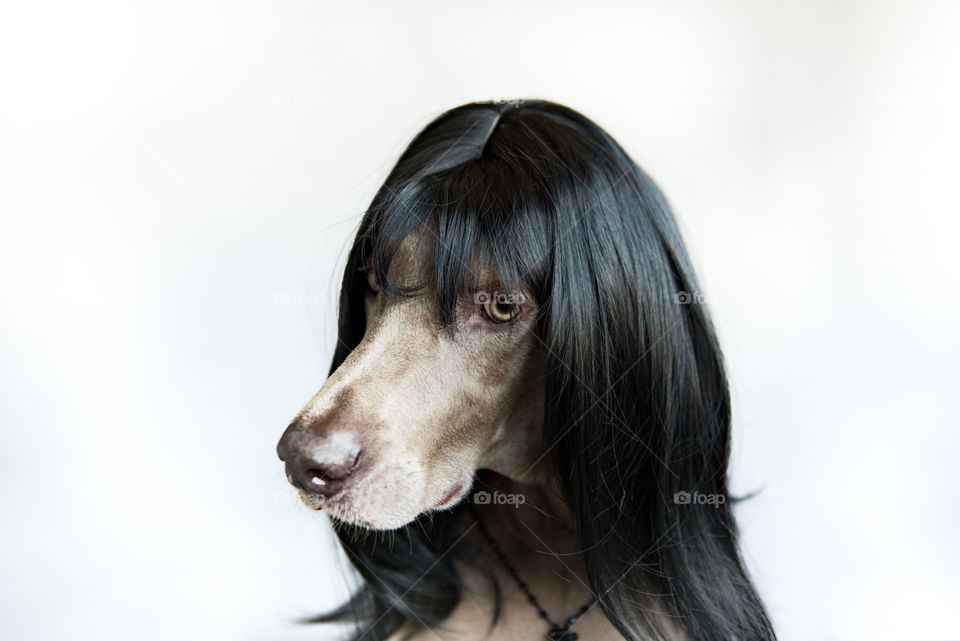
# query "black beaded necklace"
(557, 632)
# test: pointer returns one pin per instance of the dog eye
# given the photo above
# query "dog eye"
(501, 308)
(372, 281)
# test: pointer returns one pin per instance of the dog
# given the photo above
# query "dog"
(513, 324)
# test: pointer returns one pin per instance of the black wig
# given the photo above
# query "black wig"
(637, 404)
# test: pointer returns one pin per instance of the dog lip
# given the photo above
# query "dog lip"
(450, 494)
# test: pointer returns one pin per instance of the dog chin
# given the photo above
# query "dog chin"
(344, 509)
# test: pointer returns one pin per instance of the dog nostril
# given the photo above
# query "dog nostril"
(328, 477)
(317, 477)
(320, 478)
(331, 472)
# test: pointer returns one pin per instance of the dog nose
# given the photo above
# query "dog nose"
(319, 464)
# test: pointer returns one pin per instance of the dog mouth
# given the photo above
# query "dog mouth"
(311, 500)
(343, 510)
(451, 493)
(449, 496)
(378, 502)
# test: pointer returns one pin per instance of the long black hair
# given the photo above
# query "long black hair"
(637, 416)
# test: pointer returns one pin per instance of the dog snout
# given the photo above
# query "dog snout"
(319, 463)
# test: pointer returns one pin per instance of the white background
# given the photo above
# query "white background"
(178, 182)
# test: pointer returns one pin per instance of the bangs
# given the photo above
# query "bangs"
(476, 226)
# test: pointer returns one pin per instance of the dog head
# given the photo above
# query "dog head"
(420, 405)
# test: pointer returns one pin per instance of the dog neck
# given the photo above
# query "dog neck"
(533, 526)
(525, 515)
